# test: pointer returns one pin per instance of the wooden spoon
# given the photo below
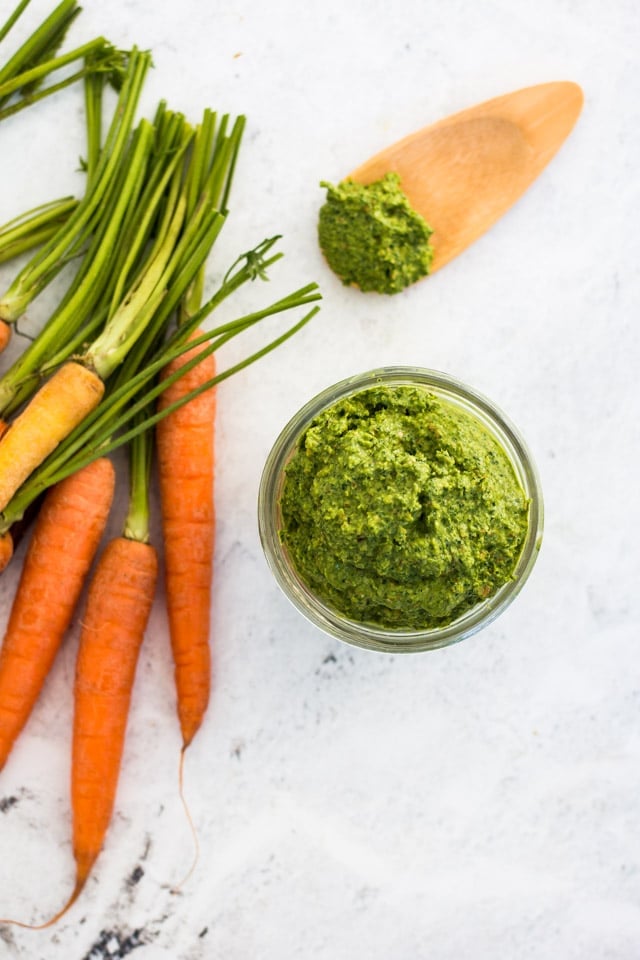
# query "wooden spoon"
(462, 173)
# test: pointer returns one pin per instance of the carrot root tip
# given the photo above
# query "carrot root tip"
(176, 888)
(77, 890)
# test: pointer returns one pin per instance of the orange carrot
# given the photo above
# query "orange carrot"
(5, 335)
(21, 526)
(6, 549)
(118, 606)
(65, 538)
(185, 444)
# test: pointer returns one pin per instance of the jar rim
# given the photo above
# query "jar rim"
(368, 635)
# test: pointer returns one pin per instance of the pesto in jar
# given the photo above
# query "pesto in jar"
(401, 510)
(371, 236)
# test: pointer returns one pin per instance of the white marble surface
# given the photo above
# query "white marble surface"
(474, 802)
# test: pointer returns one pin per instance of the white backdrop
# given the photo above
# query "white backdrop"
(475, 802)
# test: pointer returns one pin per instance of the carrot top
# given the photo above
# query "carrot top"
(155, 203)
(33, 227)
(146, 241)
(22, 76)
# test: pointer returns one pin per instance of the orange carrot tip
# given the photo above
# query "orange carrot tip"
(60, 404)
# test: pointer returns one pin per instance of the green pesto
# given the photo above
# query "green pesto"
(400, 509)
(371, 236)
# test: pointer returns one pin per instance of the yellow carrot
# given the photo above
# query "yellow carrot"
(59, 405)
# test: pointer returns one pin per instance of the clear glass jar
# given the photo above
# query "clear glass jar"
(368, 635)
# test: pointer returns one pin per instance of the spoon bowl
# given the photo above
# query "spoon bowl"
(462, 173)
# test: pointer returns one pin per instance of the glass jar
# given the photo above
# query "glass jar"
(370, 635)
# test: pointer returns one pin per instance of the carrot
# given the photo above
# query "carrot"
(60, 404)
(185, 443)
(118, 606)
(119, 602)
(115, 618)
(17, 529)
(65, 538)
(6, 539)
(6, 550)
(5, 335)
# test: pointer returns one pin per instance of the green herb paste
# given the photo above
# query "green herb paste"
(372, 237)
(400, 509)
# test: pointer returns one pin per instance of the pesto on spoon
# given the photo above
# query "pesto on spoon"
(459, 175)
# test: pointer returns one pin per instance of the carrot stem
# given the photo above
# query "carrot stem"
(51, 258)
(105, 269)
(181, 234)
(19, 382)
(127, 324)
(137, 521)
(13, 17)
(93, 93)
(35, 74)
(22, 76)
(39, 44)
(34, 227)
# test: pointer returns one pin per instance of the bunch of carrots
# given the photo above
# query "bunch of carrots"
(124, 358)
